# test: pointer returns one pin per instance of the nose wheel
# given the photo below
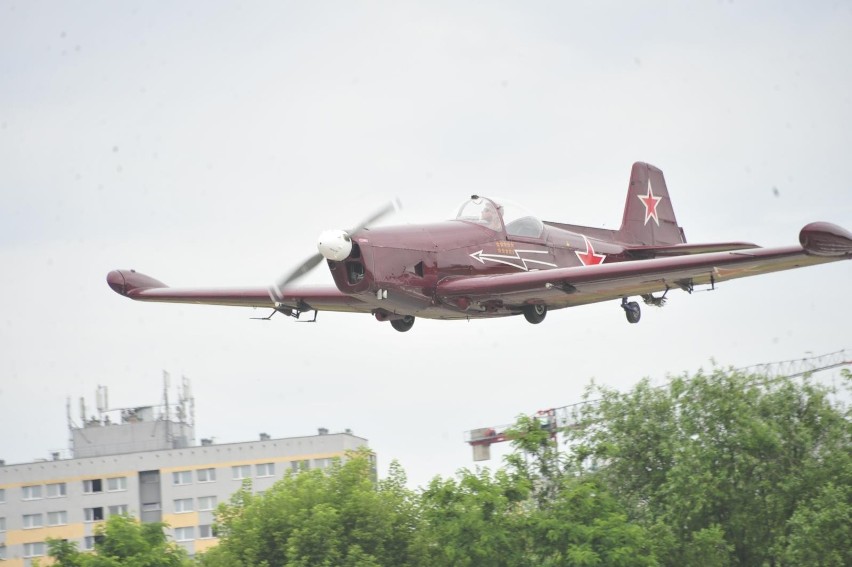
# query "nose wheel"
(535, 313)
(404, 324)
(631, 310)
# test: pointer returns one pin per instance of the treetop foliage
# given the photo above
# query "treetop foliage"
(122, 542)
(723, 465)
(714, 469)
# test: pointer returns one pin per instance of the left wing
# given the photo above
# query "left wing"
(564, 287)
(140, 287)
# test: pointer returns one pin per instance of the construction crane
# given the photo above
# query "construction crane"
(555, 420)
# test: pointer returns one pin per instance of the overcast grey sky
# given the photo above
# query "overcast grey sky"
(210, 143)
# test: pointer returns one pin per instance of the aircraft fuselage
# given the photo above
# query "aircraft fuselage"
(397, 270)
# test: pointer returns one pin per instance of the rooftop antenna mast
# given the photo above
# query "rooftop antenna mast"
(187, 399)
(102, 401)
(70, 422)
(166, 409)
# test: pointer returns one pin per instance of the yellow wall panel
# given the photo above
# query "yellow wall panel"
(182, 520)
(16, 537)
(205, 544)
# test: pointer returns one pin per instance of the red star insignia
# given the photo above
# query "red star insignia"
(589, 258)
(650, 201)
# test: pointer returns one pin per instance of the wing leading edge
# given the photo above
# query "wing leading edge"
(564, 287)
(140, 287)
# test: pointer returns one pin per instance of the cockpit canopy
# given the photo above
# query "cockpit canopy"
(496, 216)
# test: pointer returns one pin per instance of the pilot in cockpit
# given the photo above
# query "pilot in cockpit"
(490, 217)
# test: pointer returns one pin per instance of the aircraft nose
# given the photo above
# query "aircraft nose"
(335, 245)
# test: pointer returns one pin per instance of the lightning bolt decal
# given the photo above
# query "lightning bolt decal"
(515, 260)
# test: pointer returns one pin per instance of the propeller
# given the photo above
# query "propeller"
(335, 244)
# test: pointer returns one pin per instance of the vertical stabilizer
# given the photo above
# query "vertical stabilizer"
(649, 218)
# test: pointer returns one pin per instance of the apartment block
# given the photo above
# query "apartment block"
(144, 463)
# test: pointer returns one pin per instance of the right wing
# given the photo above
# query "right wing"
(140, 287)
(566, 287)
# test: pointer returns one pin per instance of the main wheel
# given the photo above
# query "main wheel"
(633, 312)
(535, 313)
(403, 324)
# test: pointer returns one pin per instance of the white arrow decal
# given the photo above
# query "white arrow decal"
(516, 261)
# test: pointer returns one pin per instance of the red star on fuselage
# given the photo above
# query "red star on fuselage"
(589, 258)
(650, 201)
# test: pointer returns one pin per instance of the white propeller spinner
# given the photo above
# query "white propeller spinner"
(335, 245)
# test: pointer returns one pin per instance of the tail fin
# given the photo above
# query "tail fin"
(649, 218)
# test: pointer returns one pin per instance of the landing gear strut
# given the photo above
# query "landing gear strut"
(404, 324)
(535, 313)
(631, 310)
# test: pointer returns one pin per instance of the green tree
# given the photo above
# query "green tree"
(573, 520)
(122, 542)
(478, 519)
(536, 511)
(718, 466)
(821, 529)
(337, 517)
(64, 553)
(585, 526)
(536, 457)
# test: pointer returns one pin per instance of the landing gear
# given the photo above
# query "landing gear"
(631, 310)
(404, 324)
(535, 313)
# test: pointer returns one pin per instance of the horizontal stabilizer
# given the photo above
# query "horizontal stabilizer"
(676, 266)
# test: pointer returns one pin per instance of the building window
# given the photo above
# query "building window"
(297, 466)
(206, 475)
(2, 495)
(57, 518)
(265, 469)
(90, 541)
(150, 506)
(31, 492)
(2, 552)
(149, 477)
(184, 534)
(116, 484)
(2, 525)
(35, 549)
(183, 505)
(322, 463)
(93, 486)
(182, 477)
(120, 509)
(93, 514)
(205, 531)
(206, 503)
(241, 471)
(33, 521)
(57, 490)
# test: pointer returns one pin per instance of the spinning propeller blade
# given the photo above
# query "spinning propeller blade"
(303, 269)
(394, 205)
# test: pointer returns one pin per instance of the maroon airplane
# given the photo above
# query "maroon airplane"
(495, 260)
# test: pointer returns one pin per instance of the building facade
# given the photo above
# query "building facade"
(180, 484)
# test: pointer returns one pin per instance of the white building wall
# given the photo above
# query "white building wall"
(279, 455)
